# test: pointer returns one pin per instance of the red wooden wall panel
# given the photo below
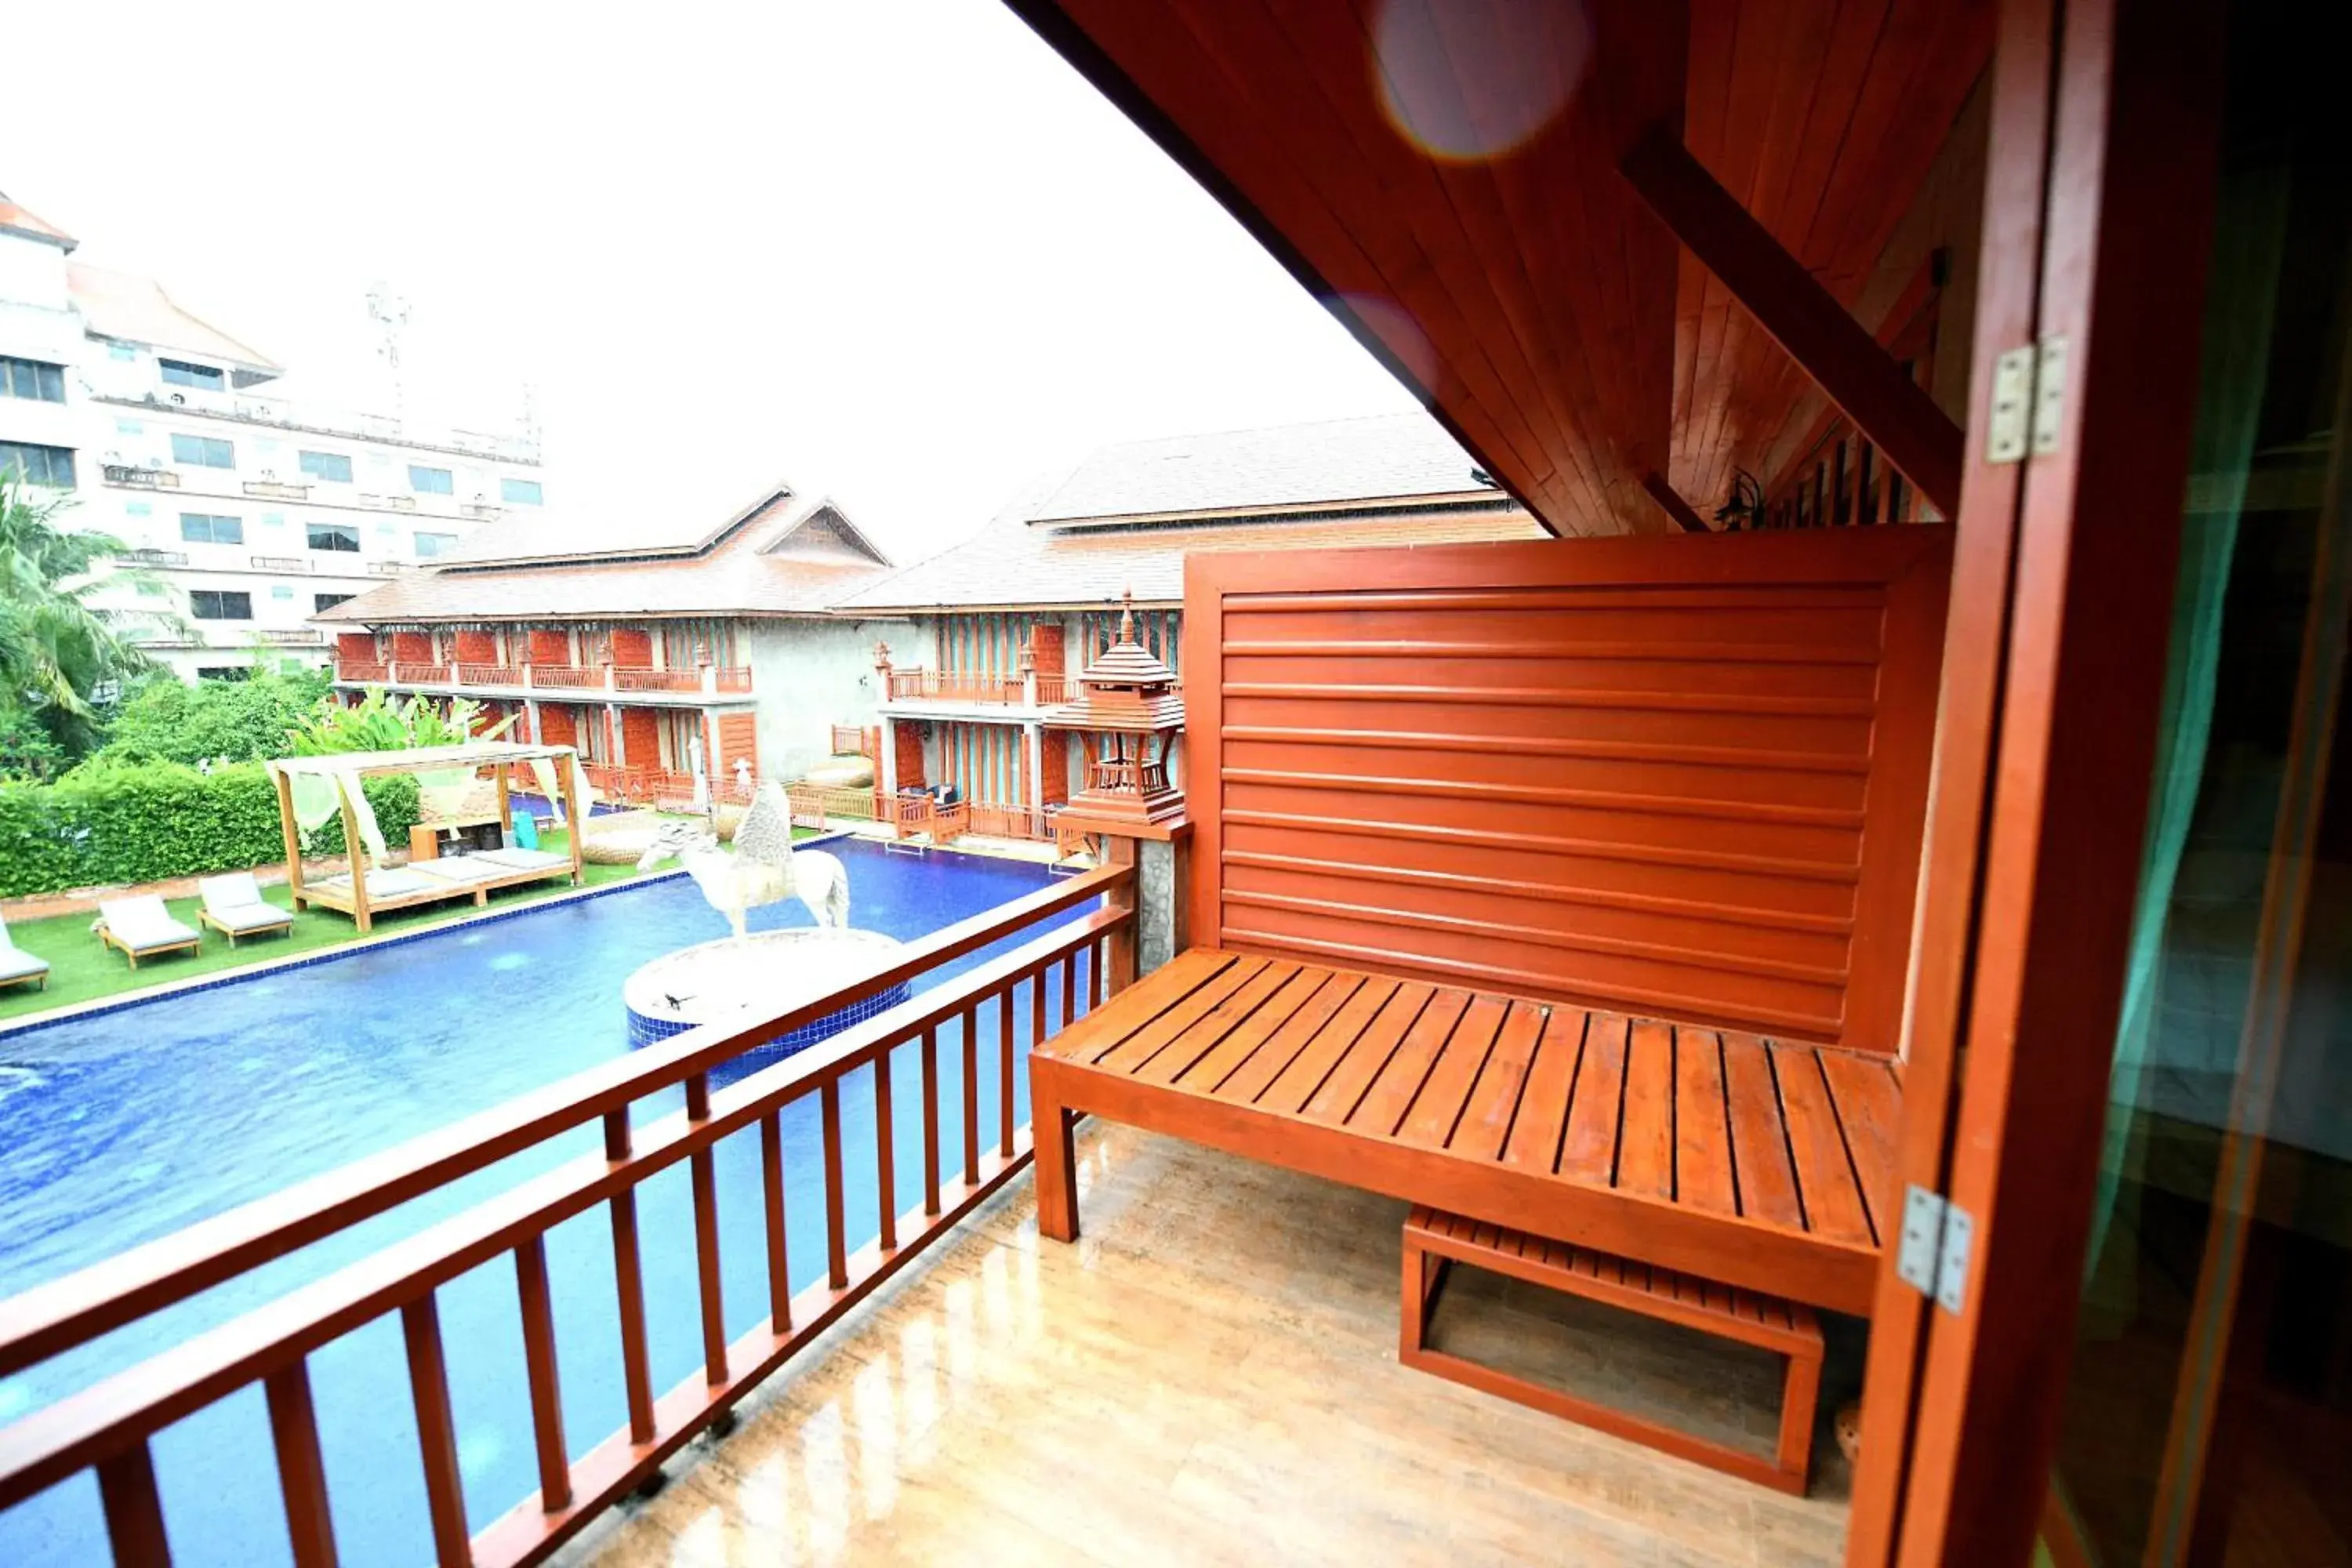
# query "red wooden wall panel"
(550, 647)
(1680, 776)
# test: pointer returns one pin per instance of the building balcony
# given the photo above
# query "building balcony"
(123, 474)
(928, 690)
(557, 682)
(280, 563)
(154, 558)
(272, 489)
(292, 637)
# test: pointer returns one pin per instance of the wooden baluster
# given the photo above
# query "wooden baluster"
(836, 1239)
(1094, 975)
(703, 1177)
(437, 1433)
(971, 1096)
(134, 1513)
(1004, 1062)
(301, 1472)
(931, 1121)
(884, 1156)
(1865, 508)
(1069, 988)
(538, 1366)
(628, 1279)
(772, 1187)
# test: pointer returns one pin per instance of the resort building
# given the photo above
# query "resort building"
(723, 635)
(255, 508)
(1003, 623)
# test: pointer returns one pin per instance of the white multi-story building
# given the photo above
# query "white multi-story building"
(253, 510)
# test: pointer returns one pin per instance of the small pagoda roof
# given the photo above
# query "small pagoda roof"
(1128, 688)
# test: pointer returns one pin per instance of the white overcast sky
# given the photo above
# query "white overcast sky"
(895, 250)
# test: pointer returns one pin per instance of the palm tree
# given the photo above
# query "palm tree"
(58, 647)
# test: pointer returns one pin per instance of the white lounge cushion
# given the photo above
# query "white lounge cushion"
(461, 871)
(144, 923)
(236, 901)
(15, 964)
(524, 859)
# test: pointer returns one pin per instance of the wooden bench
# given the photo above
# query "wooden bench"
(1434, 1239)
(1766, 1164)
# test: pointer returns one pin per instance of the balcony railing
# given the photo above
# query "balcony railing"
(733, 679)
(155, 557)
(564, 676)
(361, 672)
(139, 479)
(958, 686)
(405, 672)
(1053, 690)
(488, 675)
(633, 680)
(109, 1428)
(274, 489)
(819, 805)
(280, 563)
(388, 568)
(292, 637)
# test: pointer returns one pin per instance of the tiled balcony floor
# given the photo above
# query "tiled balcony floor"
(1210, 1376)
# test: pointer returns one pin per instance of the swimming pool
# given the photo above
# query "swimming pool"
(125, 1125)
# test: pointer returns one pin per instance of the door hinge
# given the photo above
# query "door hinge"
(2028, 402)
(1932, 1256)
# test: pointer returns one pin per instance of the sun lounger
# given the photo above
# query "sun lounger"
(234, 906)
(142, 928)
(16, 965)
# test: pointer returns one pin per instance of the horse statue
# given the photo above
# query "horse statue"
(763, 870)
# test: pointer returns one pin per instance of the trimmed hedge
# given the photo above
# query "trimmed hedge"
(105, 824)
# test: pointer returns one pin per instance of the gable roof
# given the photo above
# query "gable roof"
(14, 219)
(1399, 457)
(780, 556)
(136, 309)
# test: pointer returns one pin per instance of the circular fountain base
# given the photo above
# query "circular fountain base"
(730, 981)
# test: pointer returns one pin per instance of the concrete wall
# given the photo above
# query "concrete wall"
(808, 676)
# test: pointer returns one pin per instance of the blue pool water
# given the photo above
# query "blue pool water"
(124, 1126)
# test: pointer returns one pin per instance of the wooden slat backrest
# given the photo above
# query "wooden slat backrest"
(1681, 778)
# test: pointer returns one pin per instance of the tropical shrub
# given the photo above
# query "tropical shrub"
(380, 723)
(27, 750)
(58, 645)
(113, 822)
(168, 720)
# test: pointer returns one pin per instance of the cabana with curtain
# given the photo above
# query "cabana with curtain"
(312, 790)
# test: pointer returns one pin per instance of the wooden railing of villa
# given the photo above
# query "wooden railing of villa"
(488, 675)
(363, 671)
(631, 680)
(108, 1427)
(565, 675)
(733, 679)
(814, 805)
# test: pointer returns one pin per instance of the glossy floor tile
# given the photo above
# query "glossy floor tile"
(1210, 1376)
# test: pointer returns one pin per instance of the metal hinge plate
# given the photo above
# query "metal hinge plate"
(1932, 1256)
(2028, 402)
(2011, 417)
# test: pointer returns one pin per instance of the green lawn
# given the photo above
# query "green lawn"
(80, 970)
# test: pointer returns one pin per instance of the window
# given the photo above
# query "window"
(179, 373)
(32, 378)
(206, 528)
(519, 493)
(435, 543)
(321, 602)
(40, 465)
(203, 452)
(224, 672)
(128, 427)
(334, 536)
(137, 508)
(430, 481)
(333, 466)
(280, 591)
(219, 605)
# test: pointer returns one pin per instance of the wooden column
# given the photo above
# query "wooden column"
(356, 853)
(293, 831)
(575, 821)
(506, 804)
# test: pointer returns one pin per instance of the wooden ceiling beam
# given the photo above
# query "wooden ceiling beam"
(1671, 503)
(1801, 316)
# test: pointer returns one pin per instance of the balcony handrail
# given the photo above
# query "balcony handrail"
(108, 1426)
(51, 1319)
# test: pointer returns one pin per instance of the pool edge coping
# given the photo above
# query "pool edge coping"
(27, 1022)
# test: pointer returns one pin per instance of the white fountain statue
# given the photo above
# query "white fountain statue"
(763, 870)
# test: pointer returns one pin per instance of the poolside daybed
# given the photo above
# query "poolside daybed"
(473, 875)
(16, 965)
(142, 928)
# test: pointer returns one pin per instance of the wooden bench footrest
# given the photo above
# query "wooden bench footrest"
(1432, 1238)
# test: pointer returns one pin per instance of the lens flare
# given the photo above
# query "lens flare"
(1465, 81)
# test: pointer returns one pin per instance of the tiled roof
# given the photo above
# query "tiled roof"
(136, 309)
(743, 573)
(14, 219)
(1386, 458)
(1014, 564)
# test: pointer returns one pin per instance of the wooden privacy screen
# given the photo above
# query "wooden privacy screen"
(1682, 777)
